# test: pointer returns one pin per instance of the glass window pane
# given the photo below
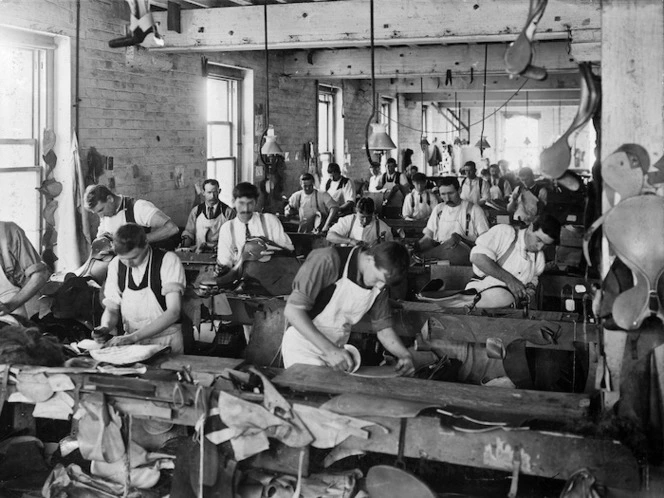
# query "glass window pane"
(223, 170)
(220, 143)
(323, 121)
(16, 87)
(19, 201)
(17, 155)
(218, 100)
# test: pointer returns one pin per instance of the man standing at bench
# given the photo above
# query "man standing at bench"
(332, 291)
(115, 211)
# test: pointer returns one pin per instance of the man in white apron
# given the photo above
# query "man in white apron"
(205, 219)
(22, 270)
(473, 188)
(453, 226)
(248, 223)
(332, 291)
(528, 198)
(340, 188)
(145, 287)
(507, 262)
(316, 210)
(363, 227)
(395, 184)
(115, 211)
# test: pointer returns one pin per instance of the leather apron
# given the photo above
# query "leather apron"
(349, 303)
(140, 307)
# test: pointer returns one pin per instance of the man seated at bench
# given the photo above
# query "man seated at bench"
(316, 210)
(507, 262)
(363, 227)
(419, 203)
(453, 226)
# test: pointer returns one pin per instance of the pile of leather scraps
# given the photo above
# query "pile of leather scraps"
(49, 393)
(72, 481)
(248, 425)
(257, 484)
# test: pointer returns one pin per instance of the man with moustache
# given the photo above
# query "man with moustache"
(248, 223)
(473, 188)
(453, 226)
(205, 219)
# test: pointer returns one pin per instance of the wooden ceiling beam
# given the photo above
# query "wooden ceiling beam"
(421, 61)
(345, 23)
(462, 81)
(465, 96)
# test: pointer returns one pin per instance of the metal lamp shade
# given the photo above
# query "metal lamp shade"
(271, 147)
(483, 144)
(379, 139)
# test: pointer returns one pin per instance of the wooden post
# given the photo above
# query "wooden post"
(632, 106)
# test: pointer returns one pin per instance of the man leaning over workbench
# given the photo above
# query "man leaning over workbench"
(332, 291)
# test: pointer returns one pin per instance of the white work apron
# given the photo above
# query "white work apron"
(349, 303)
(140, 307)
(452, 220)
(9, 290)
(207, 230)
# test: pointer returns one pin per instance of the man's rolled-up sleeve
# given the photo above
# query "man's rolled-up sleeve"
(318, 272)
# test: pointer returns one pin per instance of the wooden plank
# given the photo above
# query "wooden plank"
(549, 455)
(398, 62)
(397, 22)
(207, 364)
(476, 399)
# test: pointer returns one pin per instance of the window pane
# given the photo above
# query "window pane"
(220, 141)
(16, 87)
(20, 201)
(223, 170)
(218, 100)
(17, 155)
(323, 121)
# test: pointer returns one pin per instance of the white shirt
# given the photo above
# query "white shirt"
(367, 234)
(525, 266)
(228, 255)
(143, 213)
(171, 272)
(308, 206)
(376, 183)
(342, 196)
(446, 220)
(419, 206)
(474, 190)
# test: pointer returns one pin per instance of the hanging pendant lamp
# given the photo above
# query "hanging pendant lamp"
(482, 142)
(376, 138)
(270, 147)
(424, 143)
(527, 141)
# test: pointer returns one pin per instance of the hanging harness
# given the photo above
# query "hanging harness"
(151, 277)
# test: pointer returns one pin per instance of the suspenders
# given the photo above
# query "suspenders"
(233, 242)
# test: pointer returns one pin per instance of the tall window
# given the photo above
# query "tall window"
(326, 126)
(522, 141)
(26, 89)
(222, 129)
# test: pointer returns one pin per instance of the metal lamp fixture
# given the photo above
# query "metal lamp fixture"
(270, 147)
(527, 141)
(377, 139)
(424, 143)
(483, 143)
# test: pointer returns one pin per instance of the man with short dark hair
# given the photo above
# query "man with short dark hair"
(332, 291)
(115, 211)
(145, 287)
(341, 189)
(205, 219)
(316, 209)
(454, 224)
(499, 188)
(248, 223)
(473, 188)
(363, 227)
(395, 184)
(420, 202)
(507, 262)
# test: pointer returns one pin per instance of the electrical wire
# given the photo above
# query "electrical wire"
(495, 111)
(486, 56)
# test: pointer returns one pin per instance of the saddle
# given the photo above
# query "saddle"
(264, 268)
(96, 266)
(519, 54)
(555, 160)
(634, 231)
